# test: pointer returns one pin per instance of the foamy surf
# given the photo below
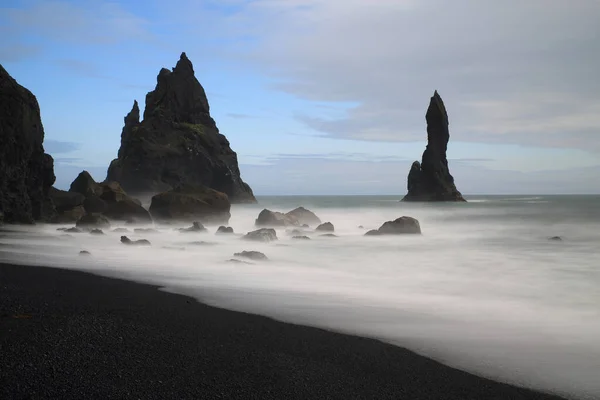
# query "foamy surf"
(483, 289)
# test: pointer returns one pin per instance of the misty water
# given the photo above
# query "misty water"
(482, 289)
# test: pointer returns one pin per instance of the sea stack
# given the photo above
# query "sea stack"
(26, 171)
(430, 180)
(177, 143)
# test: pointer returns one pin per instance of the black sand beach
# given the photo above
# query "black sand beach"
(72, 335)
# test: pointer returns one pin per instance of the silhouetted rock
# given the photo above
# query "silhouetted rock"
(67, 216)
(252, 255)
(128, 210)
(26, 172)
(224, 230)
(328, 235)
(196, 227)
(187, 202)
(140, 242)
(94, 204)
(262, 235)
(400, 226)
(84, 253)
(555, 238)
(91, 221)
(275, 218)
(177, 142)
(73, 230)
(120, 230)
(97, 232)
(304, 216)
(326, 227)
(430, 180)
(85, 185)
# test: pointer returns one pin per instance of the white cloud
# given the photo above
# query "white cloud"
(510, 71)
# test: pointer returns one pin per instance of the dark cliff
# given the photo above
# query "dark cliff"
(26, 172)
(177, 142)
(430, 180)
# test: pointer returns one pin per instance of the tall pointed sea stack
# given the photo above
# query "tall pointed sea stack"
(430, 180)
(177, 143)
(26, 172)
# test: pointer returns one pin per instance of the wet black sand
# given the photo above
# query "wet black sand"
(72, 335)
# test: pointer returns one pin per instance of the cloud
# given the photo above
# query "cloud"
(511, 72)
(59, 147)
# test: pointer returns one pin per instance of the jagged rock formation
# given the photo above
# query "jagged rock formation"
(87, 197)
(430, 180)
(177, 143)
(26, 172)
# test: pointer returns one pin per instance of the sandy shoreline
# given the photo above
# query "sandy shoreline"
(69, 334)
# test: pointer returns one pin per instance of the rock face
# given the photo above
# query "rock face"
(26, 172)
(188, 202)
(106, 198)
(399, 226)
(304, 216)
(430, 180)
(177, 142)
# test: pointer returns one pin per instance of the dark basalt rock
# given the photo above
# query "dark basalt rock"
(91, 221)
(141, 242)
(262, 235)
(177, 142)
(430, 180)
(252, 255)
(73, 230)
(97, 232)
(196, 227)
(224, 230)
(275, 218)
(187, 202)
(26, 172)
(326, 227)
(304, 216)
(301, 237)
(85, 253)
(399, 226)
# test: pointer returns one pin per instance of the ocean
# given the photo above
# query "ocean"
(482, 289)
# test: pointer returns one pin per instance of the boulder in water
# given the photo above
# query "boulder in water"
(90, 221)
(275, 218)
(140, 242)
(400, 226)
(304, 216)
(262, 235)
(224, 230)
(187, 202)
(326, 227)
(196, 227)
(252, 255)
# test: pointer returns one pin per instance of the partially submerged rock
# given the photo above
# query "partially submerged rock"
(275, 218)
(177, 142)
(304, 216)
(140, 242)
(430, 180)
(196, 227)
(328, 235)
(90, 221)
(326, 227)
(252, 255)
(301, 237)
(262, 235)
(187, 202)
(85, 253)
(97, 232)
(400, 226)
(224, 230)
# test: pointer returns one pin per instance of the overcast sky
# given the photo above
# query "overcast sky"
(329, 96)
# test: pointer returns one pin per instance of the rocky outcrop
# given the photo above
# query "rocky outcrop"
(430, 180)
(275, 218)
(26, 172)
(253, 255)
(186, 203)
(177, 142)
(262, 235)
(304, 216)
(105, 198)
(326, 227)
(399, 226)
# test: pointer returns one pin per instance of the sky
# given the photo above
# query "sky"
(329, 96)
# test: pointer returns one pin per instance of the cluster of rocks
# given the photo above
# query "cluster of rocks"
(176, 154)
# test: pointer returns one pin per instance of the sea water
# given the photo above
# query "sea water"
(482, 289)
